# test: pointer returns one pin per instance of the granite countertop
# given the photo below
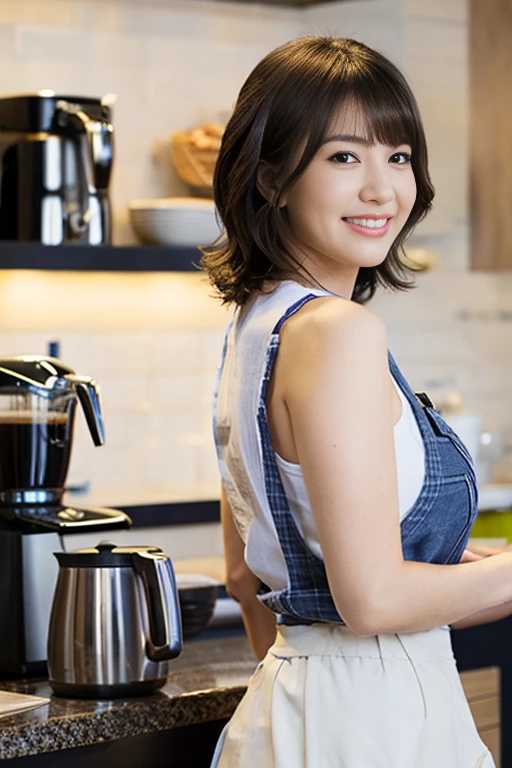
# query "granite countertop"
(206, 683)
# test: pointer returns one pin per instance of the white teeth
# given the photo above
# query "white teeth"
(371, 223)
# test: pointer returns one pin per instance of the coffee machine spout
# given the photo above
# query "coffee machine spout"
(89, 395)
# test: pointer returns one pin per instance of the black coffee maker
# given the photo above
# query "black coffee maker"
(55, 163)
(38, 397)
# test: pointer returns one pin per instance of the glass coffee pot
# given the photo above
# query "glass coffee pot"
(38, 397)
(37, 409)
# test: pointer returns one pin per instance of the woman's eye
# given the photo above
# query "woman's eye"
(343, 158)
(401, 158)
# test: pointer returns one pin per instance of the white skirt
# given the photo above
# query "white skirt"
(324, 697)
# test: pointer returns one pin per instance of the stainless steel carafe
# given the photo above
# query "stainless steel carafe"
(115, 622)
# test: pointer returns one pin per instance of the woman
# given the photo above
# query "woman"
(347, 501)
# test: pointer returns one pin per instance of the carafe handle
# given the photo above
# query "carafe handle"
(89, 395)
(157, 574)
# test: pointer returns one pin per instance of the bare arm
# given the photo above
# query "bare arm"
(488, 614)
(484, 617)
(338, 393)
(242, 585)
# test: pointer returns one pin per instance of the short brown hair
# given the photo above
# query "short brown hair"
(287, 103)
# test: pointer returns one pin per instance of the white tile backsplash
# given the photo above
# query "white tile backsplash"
(24, 343)
(441, 66)
(177, 351)
(441, 10)
(176, 390)
(199, 540)
(9, 41)
(41, 44)
(174, 425)
(126, 392)
(210, 344)
(171, 464)
(208, 469)
(122, 354)
(378, 23)
(51, 13)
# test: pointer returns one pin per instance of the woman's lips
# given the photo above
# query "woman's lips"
(369, 231)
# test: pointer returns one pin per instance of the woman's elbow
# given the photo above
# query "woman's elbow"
(242, 584)
(364, 625)
(366, 618)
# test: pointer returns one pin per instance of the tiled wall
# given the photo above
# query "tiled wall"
(153, 340)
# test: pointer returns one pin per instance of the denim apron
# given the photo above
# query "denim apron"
(435, 530)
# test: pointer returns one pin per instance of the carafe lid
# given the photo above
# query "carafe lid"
(34, 372)
(35, 112)
(106, 554)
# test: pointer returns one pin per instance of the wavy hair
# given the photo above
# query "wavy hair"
(283, 112)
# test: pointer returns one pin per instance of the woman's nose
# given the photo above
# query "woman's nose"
(377, 187)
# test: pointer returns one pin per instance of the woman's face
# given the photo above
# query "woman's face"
(352, 200)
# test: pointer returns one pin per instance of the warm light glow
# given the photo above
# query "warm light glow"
(38, 300)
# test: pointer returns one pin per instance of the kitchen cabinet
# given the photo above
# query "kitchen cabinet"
(490, 64)
(482, 689)
(485, 663)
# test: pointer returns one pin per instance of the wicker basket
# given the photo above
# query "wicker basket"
(194, 154)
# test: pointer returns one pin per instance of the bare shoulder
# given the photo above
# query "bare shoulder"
(329, 321)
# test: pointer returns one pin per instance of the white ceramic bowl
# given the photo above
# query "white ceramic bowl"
(175, 221)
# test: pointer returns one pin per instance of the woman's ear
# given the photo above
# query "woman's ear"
(265, 182)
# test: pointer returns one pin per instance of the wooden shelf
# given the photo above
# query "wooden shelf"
(94, 258)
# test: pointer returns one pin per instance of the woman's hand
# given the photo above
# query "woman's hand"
(478, 553)
(469, 557)
(490, 614)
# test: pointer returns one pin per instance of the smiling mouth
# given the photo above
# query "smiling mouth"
(369, 227)
(370, 223)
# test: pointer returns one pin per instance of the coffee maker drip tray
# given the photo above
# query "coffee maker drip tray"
(63, 519)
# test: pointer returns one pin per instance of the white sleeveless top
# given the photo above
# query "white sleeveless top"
(236, 407)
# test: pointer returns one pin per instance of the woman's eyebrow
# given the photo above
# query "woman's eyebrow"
(349, 137)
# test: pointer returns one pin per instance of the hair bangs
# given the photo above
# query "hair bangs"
(379, 114)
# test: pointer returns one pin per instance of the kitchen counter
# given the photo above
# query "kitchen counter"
(178, 726)
(205, 684)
